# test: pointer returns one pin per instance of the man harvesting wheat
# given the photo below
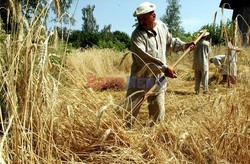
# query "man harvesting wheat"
(219, 62)
(149, 43)
(232, 60)
(200, 63)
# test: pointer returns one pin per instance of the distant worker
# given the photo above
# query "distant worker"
(200, 63)
(231, 61)
(219, 62)
(149, 43)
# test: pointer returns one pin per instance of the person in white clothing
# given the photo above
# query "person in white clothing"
(149, 42)
(218, 61)
(231, 61)
(221, 68)
(200, 63)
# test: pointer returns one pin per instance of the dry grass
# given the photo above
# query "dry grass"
(80, 124)
(199, 129)
(54, 118)
(211, 128)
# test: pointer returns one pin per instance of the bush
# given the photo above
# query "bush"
(186, 37)
(117, 40)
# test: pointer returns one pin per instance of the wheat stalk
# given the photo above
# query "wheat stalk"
(57, 7)
(4, 139)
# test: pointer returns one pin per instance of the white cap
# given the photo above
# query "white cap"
(144, 8)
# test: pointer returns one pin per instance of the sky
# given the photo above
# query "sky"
(119, 13)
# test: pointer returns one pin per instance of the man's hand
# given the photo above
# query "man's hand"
(191, 45)
(170, 72)
(238, 49)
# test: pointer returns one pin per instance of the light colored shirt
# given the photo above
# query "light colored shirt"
(150, 48)
(218, 60)
(200, 61)
(231, 60)
(232, 57)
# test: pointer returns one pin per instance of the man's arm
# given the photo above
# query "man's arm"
(175, 44)
(144, 59)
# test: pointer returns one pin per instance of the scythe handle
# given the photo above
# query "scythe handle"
(188, 49)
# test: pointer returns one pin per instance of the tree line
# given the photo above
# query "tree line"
(91, 36)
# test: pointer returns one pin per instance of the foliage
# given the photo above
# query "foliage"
(123, 38)
(173, 20)
(64, 6)
(116, 40)
(172, 17)
(219, 32)
(89, 39)
(64, 47)
(186, 37)
(116, 45)
(76, 38)
(29, 9)
(89, 22)
(105, 39)
(90, 36)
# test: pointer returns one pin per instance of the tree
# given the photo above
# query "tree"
(172, 17)
(123, 38)
(106, 33)
(89, 27)
(89, 21)
(76, 38)
(116, 40)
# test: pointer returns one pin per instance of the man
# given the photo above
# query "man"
(231, 60)
(219, 62)
(149, 43)
(200, 63)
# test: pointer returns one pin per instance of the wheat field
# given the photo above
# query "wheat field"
(54, 118)
(211, 128)
(50, 115)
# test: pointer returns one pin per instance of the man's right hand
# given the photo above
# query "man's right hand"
(191, 45)
(170, 72)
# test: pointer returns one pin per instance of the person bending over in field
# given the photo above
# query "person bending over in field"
(219, 62)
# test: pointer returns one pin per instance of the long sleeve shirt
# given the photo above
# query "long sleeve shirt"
(218, 60)
(232, 59)
(200, 61)
(150, 47)
(232, 54)
(149, 51)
